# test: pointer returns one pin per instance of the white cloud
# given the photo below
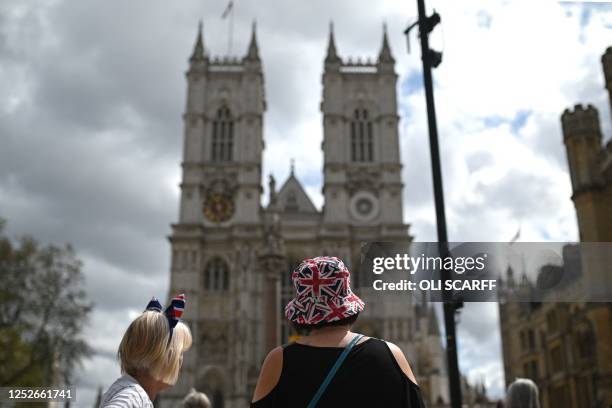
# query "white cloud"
(528, 59)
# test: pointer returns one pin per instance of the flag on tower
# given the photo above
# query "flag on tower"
(228, 9)
(516, 236)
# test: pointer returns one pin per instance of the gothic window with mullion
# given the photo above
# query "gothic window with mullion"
(362, 143)
(216, 275)
(222, 136)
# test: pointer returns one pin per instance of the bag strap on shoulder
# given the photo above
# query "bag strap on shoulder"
(332, 372)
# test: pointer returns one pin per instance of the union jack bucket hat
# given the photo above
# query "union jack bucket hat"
(323, 292)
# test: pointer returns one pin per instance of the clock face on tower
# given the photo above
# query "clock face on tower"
(364, 206)
(218, 207)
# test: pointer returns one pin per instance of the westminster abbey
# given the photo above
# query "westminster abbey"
(232, 256)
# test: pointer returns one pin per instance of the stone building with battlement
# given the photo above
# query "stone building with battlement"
(566, 348)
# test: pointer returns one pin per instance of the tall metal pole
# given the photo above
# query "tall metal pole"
(425, 27)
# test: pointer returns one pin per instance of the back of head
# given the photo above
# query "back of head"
(196, 400)
(145, 347)
(522, 393)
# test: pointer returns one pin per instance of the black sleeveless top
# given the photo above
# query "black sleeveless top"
(369, 377)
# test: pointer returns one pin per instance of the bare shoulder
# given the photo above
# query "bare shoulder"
(401, 360)
(270, 373)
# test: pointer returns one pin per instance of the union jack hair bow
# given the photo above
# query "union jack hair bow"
(173, 313)
(154, 305)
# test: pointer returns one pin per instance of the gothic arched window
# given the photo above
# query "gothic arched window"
(222, 135)
(216, 275)
(361, 137)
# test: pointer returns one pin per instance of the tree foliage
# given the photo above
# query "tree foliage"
(43, 308)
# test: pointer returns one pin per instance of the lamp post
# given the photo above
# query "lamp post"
(432, 59)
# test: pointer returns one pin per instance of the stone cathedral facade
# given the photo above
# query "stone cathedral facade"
(232, 256)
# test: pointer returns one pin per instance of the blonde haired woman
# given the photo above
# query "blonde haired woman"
(151, 354)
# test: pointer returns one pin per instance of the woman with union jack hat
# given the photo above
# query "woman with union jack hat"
(331, 366)
(150, 354)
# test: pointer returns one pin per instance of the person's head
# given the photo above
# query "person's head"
(196, 400)
(323, 295)
(522, 393)
(154, 344)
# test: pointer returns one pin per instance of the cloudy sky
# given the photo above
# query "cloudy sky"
(92, 94)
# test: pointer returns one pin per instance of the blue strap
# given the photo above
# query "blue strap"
(332, 372)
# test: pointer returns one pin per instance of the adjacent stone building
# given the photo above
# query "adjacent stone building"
(232, 256)
(566, 348)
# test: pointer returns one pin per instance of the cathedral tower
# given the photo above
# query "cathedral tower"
(223, 138)
(362, 169)
(582, 137)
(214, 242)
(362, 187)
(590, 165)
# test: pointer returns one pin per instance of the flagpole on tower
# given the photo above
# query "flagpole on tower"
(229, 12)
(231, 33)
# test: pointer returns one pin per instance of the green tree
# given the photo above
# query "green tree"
(43, 308)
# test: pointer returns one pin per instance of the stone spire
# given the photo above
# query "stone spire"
(253, 52)
(199, 53)
(385, 52)
(272, 188)
(332, 54)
